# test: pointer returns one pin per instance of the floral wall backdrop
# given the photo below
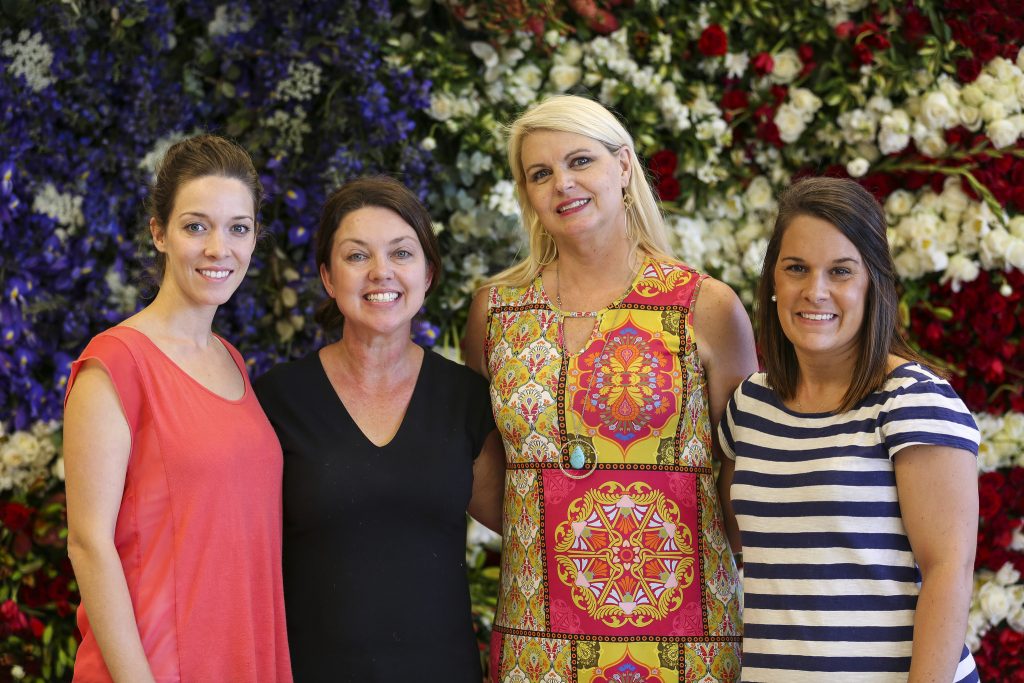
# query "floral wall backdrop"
(922, 102)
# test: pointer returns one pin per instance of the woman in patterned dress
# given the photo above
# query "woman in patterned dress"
(610, 363)
(855, 480)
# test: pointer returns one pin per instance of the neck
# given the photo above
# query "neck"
(823, 381)
(376, 359)
(597, 269)
(167, 317)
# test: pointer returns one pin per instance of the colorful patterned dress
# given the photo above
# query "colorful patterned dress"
(624, 575)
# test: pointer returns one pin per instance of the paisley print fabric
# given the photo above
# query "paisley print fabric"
(625, 574)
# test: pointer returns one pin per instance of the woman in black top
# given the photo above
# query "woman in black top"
(386, 447)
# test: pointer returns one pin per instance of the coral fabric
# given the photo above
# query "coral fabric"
(199, 528)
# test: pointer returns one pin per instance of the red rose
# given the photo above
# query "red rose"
(663, 163)
(862, 55)
(535, 25)
(668, 189)
(915, 26)
(585, 8)
(765, 113)
(806, 52)
(763, 63)
(12, 618)
(954, 136)
(779, 94)
(738, 99)
(37, 627)
(987, 48)
(713, 41)
(769, 132)
(845, 29)
(15, 516)
(604, 22)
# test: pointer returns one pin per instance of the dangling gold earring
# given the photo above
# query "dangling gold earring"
(554, 249)
(628, 209)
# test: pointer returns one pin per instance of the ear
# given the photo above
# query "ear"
(430, 276)
(325, 278)
(158, 234)
(625, 165)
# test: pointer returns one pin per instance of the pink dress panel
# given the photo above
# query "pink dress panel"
(199, 528)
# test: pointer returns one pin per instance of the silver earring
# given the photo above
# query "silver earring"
(774, 298)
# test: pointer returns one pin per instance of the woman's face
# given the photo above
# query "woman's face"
(821, 287)
(208, 240)
(575, 184)
(378, 273)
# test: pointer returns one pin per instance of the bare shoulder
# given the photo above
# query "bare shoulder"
(476, 332)
(717, 308)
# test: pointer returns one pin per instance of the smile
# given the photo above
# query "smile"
(817, 316)
(215, 274)
(576, 204)
(381, 297)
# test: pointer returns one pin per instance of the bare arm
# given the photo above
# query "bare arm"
(725, 344)
(97, 444)
(489, 483)
(476, 331)
(938, 495)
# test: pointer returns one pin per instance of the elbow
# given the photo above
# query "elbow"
(84, 548)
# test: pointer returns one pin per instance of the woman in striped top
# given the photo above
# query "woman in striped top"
(855, 486)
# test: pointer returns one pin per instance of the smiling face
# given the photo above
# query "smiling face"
(574, 183)
(208, 240)
(378, 274)
(821, 286)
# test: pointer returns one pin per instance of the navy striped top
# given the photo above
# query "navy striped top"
(830, 583)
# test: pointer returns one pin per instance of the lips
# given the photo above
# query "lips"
(571, 205)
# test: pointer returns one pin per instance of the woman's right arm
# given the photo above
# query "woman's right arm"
(476, 331)
(97, 443)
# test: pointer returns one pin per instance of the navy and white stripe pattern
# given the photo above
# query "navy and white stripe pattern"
(830, 583)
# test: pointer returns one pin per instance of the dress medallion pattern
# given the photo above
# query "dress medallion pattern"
(627, 571)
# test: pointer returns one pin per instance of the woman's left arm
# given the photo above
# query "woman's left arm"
(938, 496)
(489, 483)
(725, 344)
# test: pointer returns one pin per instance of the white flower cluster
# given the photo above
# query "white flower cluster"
(290, 127)
(794, 115)
(840, 10)
(950, 233)
(63, 207)
(997, 597)
(302, 83)
(31, 59)
(1002, 441)
(228, 20)
(27, 456)
(451, 109)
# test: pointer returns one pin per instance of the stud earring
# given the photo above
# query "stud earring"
(774, 298)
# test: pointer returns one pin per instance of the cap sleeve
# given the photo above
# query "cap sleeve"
(927, 411)
(120, 364)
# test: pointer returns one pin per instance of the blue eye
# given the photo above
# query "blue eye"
(194, 227)
(241, 229)
(580, 161)
(356, 256)
(540, 175)
(403, 253)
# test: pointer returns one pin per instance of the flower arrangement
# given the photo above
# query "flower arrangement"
(920, 101)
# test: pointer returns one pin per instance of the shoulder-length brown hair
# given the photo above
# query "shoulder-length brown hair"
(381, 192)
(856, 214)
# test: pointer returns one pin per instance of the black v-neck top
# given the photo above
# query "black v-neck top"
(375, 536)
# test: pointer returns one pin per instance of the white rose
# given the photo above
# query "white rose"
(805, 100)
(1001, 69)
(1007, 575)
(950, 88)
(1020, 59)
(1015, 619)
(937, 112)
(1015, 253)
(972, 95)
(933, 146)
(994, 602)
(988, 457)
(899, 203)
(571, 53)
(485, 52)
(759, 193)
(17, 672)
(1016, 226)
(564, 76)
(985, 82)
(786, 66)
(908, 265)
(790, 122)
(993, 248)
(993, 110)
(961, 269)
(857, 167)
(970, 117)
(895, 133)
(953, 198)
(1002, 133)
(880, 104)
(442, 106)
(530, 76)
(428, 143)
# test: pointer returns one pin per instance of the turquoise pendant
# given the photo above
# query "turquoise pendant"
(576, 458)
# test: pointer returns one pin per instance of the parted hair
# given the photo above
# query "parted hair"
(582, 116)
(381, 192)
(197, 157)
(859, 217)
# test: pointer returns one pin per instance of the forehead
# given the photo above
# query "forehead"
(815, 239)
(544, 144)
(211, 193)
(374, 224)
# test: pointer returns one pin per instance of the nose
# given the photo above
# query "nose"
(381, 268)
(216, 244)
(564, 180)
(817, 288)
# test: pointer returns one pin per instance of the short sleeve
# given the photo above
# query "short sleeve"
(726, 427)
(117, 360)
(927, 411)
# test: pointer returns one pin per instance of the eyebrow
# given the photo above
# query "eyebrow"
(845, 259)
(365, 243)
(575, 151)
(203, 215)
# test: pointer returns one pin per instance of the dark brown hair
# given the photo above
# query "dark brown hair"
(858, 216)
(380, 192)
(196, 157)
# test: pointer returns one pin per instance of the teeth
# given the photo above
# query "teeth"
(574, 205)
(382, 296)
(818, 316)
(216, 274)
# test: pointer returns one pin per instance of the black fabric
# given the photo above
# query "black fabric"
(375, 537)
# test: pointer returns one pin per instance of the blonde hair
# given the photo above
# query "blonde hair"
(645, 225)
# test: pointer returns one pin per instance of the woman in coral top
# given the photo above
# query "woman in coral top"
(173, 471)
